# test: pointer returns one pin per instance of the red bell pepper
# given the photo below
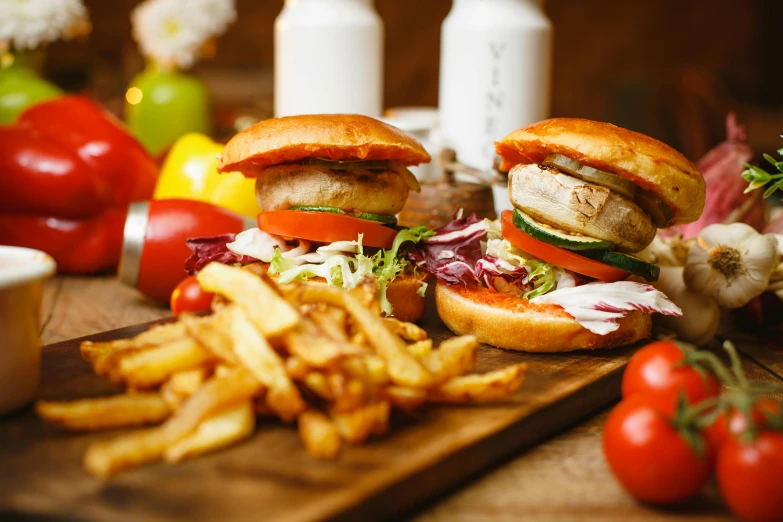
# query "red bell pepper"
(68, 170)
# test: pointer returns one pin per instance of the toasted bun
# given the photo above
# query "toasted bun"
(647, 162)
(406, 302)
(327, 136)
(516, 324)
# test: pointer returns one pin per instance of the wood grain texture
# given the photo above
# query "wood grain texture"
(77, 306)
(42, 471)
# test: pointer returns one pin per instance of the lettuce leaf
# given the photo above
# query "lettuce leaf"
(388, 264)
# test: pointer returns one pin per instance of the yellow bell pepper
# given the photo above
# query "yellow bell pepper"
(190, 172)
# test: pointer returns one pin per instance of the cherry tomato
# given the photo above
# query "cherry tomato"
(650, 458)
(189, 297)
(734, 422)
(749, 477)
(558, 256)
(653, 370)
(325, 227)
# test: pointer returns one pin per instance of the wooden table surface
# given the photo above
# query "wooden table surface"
(563, 479)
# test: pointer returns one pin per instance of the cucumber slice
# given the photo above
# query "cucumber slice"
(628, 263)
(378, 218)
(347, 165)
(557, 237)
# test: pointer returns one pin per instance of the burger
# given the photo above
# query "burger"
(329, 187)
(560, 271)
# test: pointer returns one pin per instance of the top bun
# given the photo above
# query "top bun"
(647, 162)
(346, 137)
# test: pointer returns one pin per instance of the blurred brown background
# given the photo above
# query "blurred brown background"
(669, 68)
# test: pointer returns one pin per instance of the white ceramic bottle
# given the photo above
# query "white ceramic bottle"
(328, 58)
(495, 68)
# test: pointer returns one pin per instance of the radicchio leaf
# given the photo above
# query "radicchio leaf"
(212, 248)
(489, 268)
(453, 251)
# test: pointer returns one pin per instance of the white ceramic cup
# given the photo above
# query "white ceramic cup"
(22, 271)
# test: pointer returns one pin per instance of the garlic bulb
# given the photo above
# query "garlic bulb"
(732, 263)
(666, 250)
(700, 313)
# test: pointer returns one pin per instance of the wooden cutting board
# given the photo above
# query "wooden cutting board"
(270, 477)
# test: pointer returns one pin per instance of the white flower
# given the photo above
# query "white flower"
(26, 24)
(173, 32)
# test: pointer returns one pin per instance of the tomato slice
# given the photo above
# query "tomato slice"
(325, 227)
(558, 256)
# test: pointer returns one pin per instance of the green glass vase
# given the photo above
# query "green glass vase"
(163, 105)
(21, 86)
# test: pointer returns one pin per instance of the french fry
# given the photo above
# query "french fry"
(117, 411)
(317, 383)
(492, 386)
(355, 426)
(212, 333)
(365, 293)
(313, 347)
(297, 368)
(376, 369)
(420, 349)
(329, 324)
(215, 394)
(269, 312)
(382, 411)
(455, 356)
(156, 335)
(265, 364)
(406, 398)
(218, 431)
(352, 395)
(403, 368)
(408, 331)
(188, 381)
(182, 385)
(152, 367)
(106, 458)
(262, 408)
(319, 435)
(171, 396)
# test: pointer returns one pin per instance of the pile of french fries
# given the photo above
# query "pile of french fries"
(306, 353)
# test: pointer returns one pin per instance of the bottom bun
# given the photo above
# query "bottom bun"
(516, 324)
(403, 294)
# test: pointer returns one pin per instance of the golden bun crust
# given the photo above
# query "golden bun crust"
(326, 136)
(530, 329)
(650, 164)
(407, 304)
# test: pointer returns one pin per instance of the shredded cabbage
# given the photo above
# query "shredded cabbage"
(344, 264)
(544, 277)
